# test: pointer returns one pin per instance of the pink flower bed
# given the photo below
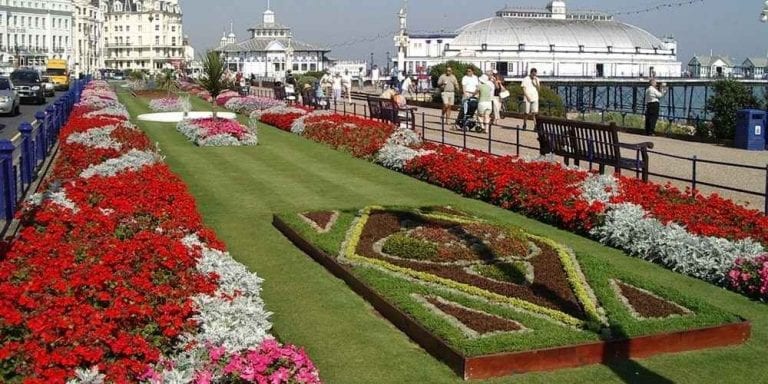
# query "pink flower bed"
(750, 277)
(211, 127)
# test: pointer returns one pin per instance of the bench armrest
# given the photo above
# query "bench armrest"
(638, 146)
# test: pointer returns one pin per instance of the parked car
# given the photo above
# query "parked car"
(49, 87)
(118, 75)
(28, 84)
(9, 100)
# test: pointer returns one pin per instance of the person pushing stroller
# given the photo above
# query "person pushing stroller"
(469, 85)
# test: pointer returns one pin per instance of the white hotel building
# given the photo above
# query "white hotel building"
(144, 35)
(87, 30)
(553, 40)
(32, 31)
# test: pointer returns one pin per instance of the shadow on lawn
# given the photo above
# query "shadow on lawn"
(616, 358)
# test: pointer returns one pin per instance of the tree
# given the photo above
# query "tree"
(211, 78)
(729, 97)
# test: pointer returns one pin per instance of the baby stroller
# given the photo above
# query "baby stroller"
(466, 120)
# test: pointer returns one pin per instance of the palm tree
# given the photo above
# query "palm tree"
(212, 76)
(166, 80)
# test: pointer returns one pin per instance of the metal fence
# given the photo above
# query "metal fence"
(23, 157)
(441, 132)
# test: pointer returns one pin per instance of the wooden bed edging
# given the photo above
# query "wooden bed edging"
(504, 364)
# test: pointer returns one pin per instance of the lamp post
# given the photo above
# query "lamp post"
(371, 60)
(388, 62)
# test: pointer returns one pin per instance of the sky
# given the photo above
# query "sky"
(353, 29)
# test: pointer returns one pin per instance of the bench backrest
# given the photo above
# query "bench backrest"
(374, 107)
(581, 140)
(389, 110)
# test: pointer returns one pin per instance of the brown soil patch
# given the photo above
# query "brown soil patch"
(648, 306)
(321, 218)
(477, 321)
(550, 287)
(154, 94)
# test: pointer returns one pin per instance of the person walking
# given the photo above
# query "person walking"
(375, 77)
(653, 95)
(448, 86)
(498, 87)
(406, 86)
(469, 84)
(336, 87)
(531, 88)
(346, 84)
(485, 101)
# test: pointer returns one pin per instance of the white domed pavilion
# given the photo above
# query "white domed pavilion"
(552, 40)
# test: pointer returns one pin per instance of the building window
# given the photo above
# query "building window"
(157, 27)
(484, 47)
(610, 49)
(521, 47)
(312, 67)
(304, 67)
(581, 48)
(295, 66)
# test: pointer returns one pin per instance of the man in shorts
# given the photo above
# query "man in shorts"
(531, 88)
(448, 85)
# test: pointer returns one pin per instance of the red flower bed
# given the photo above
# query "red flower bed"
(279, 120)
(706, 216)
(108, 283)
(359, 136)
(543, 190)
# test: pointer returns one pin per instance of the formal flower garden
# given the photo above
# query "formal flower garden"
(485, 289)
(707, 237)
(114, 277)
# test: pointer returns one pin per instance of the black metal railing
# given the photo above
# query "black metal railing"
(441, 131)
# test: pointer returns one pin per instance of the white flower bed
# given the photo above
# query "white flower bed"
(132, 160)
(98, 138)
(167, 105)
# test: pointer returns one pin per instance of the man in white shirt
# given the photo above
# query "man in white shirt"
(531, 88)
(652, 97)
(469, 84)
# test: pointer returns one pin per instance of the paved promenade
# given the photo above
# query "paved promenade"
(505, 142)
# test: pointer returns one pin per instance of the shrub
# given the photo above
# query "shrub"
(729, 97)
(304, 79)
(401, 245)
(550, 103)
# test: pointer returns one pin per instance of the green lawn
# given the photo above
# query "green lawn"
(239, 189)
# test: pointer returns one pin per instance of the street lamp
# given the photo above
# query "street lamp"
(387, 61)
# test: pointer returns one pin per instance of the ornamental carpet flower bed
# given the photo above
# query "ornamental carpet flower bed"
(706, 237)
(113, 277)
(210, 132)
(484, 289)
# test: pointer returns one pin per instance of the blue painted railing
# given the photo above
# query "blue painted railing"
(23, 156)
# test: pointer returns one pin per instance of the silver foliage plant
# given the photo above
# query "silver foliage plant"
(131, 161)
(397, 150)
(88, 376)
(233, 318)
(600, 188)
(99, 138)
(628, 227)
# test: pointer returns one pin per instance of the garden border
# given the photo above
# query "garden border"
(503, 364)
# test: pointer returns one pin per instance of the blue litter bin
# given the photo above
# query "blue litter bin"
(750, 129)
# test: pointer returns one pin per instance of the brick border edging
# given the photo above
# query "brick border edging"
(507, 363)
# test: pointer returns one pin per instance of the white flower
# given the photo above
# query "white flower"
(133, 161)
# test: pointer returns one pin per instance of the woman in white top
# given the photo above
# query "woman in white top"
(346, 83)
(652, 96)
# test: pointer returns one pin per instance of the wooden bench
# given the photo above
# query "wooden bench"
(595, 143)
(387, 110)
